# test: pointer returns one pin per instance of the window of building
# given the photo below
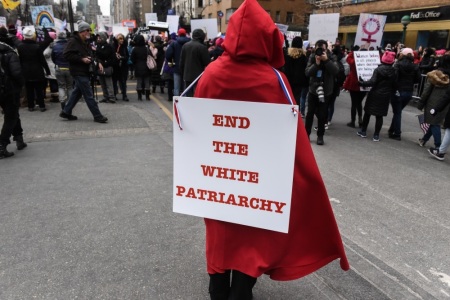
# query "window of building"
(200, 3)
(228, 14)
(289, 17)
(278, 16)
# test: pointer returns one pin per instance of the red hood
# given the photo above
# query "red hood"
(251, 33)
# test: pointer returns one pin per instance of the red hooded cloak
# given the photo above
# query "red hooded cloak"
(253, 45)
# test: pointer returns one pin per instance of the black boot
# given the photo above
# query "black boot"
(54, 99)
(125, 98)
(162, 90)
(19, 142)
(4, 153)
(139, 95)
(147, 95)
(63, 104)
(154, 89)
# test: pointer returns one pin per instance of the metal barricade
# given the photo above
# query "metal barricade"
(418, 87)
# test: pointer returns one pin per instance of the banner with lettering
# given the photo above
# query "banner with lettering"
(370, 30)
(234, 161)
(366, 62)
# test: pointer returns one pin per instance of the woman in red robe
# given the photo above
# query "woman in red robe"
(252, 48)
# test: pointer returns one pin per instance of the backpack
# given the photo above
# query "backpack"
(340, 78)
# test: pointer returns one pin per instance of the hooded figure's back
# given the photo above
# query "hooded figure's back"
(253, 47)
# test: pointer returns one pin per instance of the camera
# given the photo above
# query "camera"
(320, 94)
(319, 52)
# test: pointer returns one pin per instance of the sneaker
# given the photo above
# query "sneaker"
(435, 153)
(111, 101)
(362, 134)
(320, 141)
(101, 119)
(63, 115)
(422, 142)
(351, 124)
(104, 101)
(376, 138)
(42, 109)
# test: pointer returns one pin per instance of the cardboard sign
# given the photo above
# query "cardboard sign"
(323, 27)
(173, 23)
(209, 26)
(43, 16)
(370, 30)
(366, 62)
(234, 161)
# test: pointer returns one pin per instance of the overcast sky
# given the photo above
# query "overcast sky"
(104, 6)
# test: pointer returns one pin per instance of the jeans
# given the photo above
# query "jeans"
(435, 131)
(398, 103)
(107, 87)
(300, 93)
(445, 141)
(177, 84)
(320, 110)
(143, 83)
(65, 82)
(82, 88)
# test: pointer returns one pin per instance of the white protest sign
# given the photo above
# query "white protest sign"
(282, 27)
(173, 23)
(370, 30)
(120, 29)
(366, 62)
(234, 161)
(323, 27)
(209, 26)
(3, 21)
(150, 17)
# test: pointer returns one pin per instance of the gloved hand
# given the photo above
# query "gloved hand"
(360, 80)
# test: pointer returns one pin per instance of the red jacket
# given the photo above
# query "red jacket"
(253, 45)
(351, 82)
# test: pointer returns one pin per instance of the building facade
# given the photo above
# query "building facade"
(429, 20)
(289, 12)
(92, 10)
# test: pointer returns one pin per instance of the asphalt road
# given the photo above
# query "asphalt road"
(86, 212)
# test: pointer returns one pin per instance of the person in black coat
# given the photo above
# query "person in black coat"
(194, 59)
(439, 152)
(120, 74)
(33, 64)
(141, 72)
(160, 56)
(106, 59)
(10, 98)
(383, 83)
(408, 74)
(294, 68)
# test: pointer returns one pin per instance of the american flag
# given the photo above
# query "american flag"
(424, 126)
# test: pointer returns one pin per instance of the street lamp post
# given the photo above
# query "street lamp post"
(405, 22)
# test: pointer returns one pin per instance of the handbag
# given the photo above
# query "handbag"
(151, 62)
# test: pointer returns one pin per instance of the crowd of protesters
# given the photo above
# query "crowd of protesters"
(317, 75)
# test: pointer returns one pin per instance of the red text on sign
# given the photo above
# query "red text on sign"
(231, 121)
(230, 148)
(230, 174)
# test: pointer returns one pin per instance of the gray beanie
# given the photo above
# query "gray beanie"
(103, 36)
(83, 26)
